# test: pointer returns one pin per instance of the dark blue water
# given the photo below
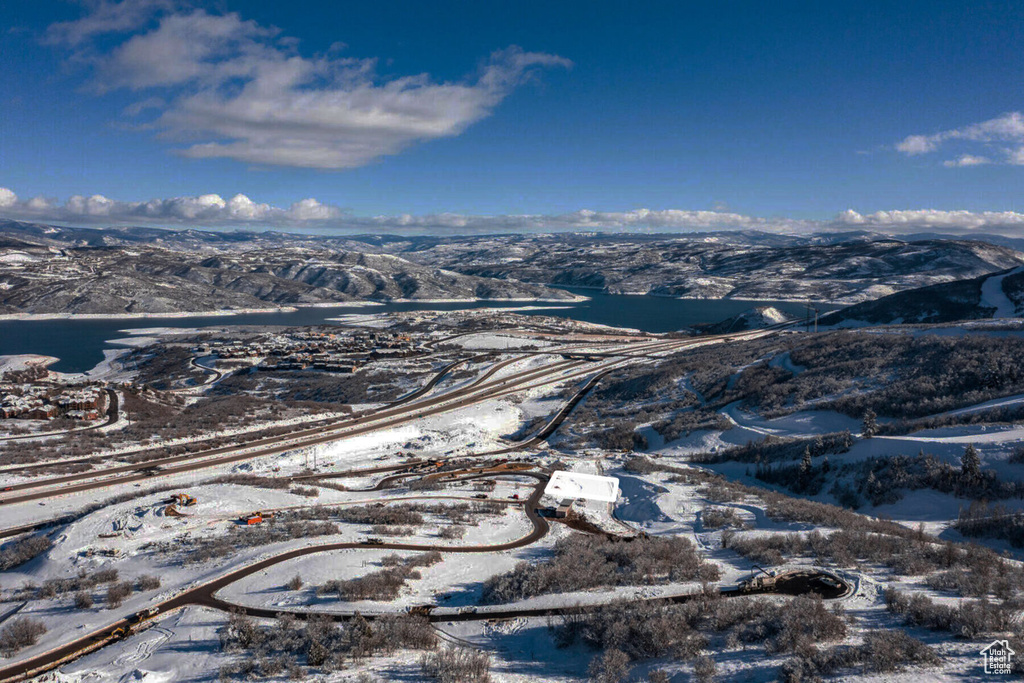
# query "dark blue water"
(79, 343)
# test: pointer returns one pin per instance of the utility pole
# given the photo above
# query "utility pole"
(810, 308)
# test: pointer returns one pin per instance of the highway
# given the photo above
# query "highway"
(407, 409)
(483, 389)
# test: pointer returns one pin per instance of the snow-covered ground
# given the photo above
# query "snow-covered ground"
(992, 295)
(139, 537)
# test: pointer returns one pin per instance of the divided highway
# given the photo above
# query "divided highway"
(483, 389)
(592, 367)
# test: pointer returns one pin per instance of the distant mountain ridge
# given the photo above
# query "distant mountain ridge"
(151, 270)
(103, 280)
(862, 267)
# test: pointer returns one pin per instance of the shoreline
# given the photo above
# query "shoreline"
(225, 312)
(229, 312)
(604, 291)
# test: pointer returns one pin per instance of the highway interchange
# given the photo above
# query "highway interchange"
(567, 364)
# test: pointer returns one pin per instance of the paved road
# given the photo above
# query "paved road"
(795, 583)
(95, 459)
(481, 390)
(206, 593)
(476, 392)
(383, 419)
(659, 345)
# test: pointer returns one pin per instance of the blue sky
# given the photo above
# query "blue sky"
(786, 114)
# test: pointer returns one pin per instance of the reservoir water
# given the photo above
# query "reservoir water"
(79, 343)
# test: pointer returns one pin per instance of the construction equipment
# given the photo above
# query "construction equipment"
(146, 614)
(421, 610)
(758, 582)
(184, 500)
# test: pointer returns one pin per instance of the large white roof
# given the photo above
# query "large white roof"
(578, 485)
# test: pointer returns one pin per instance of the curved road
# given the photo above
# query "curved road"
(794, 583)
(478, 391)
(206, 594)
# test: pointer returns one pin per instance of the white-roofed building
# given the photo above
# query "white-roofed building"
(573, 485)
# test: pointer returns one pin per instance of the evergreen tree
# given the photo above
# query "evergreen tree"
(970, 465)
(870, 427)
(805, 464)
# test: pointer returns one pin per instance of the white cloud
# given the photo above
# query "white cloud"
(957, 222)
(104, 17)
(917, 144)
(208, 209)
(967, 160)
(1016, 156)
(7, 198)
(230, 88)
(994, 134)
(307, 215)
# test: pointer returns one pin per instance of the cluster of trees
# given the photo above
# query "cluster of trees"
(161, 365)
(926, 374)
(452, 532)
(982, 520)
(632, 396)
(930, 374)
(633, 631)
(1010, 414)
(967, 619)
(587, 561)
(84, 585)
(405, 514)
(719, 517)
(619, 437)
(21, 633)
(687, 421)
(628, 632)
(457, 664)
(273, 530)
(384, 584)
(57, 587)
(327, 390)
(880, 480)
(19, 552)
(905, 550)
(805, 478)
(772, 449)
(883, 651)
(970, 570)
(26, 375)
(319, 643)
